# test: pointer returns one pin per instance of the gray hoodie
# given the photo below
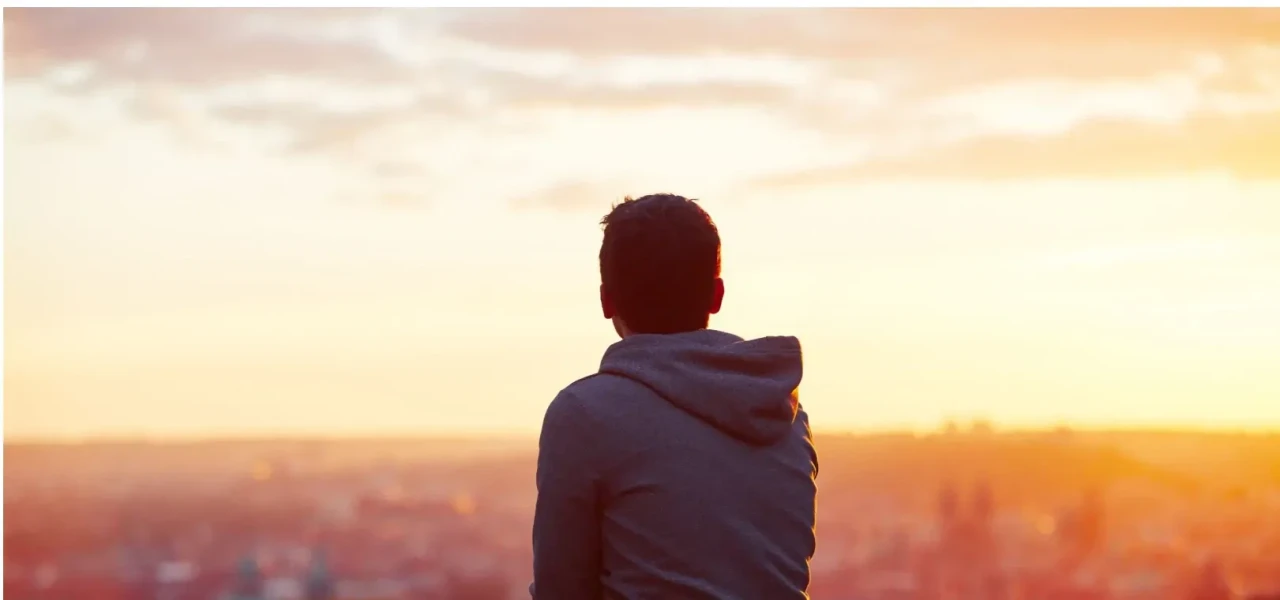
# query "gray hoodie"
(685, 468)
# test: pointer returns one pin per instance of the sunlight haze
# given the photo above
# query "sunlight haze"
(385, 222)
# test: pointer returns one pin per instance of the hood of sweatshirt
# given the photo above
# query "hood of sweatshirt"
(746, 388)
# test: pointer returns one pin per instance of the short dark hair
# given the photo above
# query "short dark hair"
(659, 263)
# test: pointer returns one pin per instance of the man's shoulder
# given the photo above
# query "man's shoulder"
(588, 404)
(599, 397)
(591, 391)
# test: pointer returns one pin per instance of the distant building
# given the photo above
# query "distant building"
(248, 581)
(965, 563)
(1211, 584)
(983, 505)
(948, 506)
(319, 582)
(1081, 529)
(1091, 524)
(980, 545)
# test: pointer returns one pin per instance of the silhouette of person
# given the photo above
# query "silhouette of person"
(684, 467)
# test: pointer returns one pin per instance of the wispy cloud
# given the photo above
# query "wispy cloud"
(975, 94)
(573, 196)
(184, 46)
(1112, 256)
(959, 47)
(1244, 147)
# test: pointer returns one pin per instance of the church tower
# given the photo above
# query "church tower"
(248, 583)
(319, 581)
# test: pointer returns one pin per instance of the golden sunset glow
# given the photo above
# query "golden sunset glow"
(379, 222)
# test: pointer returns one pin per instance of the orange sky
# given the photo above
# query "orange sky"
(364, 222)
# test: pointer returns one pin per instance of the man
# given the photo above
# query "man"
(685, 467)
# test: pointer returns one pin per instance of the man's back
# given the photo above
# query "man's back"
(684, 469)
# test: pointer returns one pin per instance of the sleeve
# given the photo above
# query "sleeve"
(803, 418)
(566, 521)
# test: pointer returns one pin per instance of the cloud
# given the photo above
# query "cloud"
(167, 64)
(173, 110)
(183, 46)
(190, 68)
(209, 48)
(48, 127)
(915, 53)
(909, 64)
(977, 44)
(573, 196)
(310, 129)
(932, 92)
(354, 139)
(1114, 256)
(610, 32)
(397, 169)
(1244, 146)
(540, 93)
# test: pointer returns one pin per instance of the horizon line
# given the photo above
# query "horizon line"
(492, 436)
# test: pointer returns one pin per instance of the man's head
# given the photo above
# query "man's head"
(659, 266)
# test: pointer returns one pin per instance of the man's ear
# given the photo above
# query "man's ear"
(606, 304)
(717, 296)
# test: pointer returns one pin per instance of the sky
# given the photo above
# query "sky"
(385, 222)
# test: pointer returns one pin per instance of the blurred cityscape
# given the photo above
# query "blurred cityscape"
(964, 513)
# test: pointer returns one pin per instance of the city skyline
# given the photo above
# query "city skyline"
(378, 222)
(1101, 516)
